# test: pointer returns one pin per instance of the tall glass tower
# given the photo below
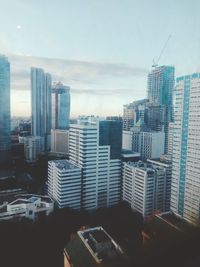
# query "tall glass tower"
(41, 106)
(60, 106)
(4, 109)
(185, 190)
(160, 85)
(160, 94)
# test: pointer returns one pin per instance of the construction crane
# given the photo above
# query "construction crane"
(155, 63)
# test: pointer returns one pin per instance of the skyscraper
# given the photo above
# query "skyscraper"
(160, 85)
(185, 191)
(160, 94)
(41, 106)
(4, 109)
(101, 174)
(60, 106)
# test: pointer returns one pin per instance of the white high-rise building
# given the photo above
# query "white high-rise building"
(32, 148)
(165, 162)
(101, 175)
(41, 107)
(170, 138)
(144, 187)
(185, 191)
(64, 183)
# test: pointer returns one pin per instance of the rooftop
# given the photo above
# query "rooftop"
(100, 236)
(164, 159)
(146, 166)
(94, 247)
(10, 195)
(64, 164)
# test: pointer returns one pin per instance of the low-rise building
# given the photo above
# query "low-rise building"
(26, 206)
(93, 247)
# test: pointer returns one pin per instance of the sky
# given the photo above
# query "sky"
(102, 49)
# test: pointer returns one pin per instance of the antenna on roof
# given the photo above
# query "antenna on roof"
(155, 63)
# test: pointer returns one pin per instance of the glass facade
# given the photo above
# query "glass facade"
(4, 108)
(41, 106)
(110, 133)
(160, 94)
(160, 85)
(60, 106)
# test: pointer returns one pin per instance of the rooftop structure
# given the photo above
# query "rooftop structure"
(94, 247)
(128, 155)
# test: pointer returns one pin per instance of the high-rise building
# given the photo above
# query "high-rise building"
(5, 141)
(144, 187)
(32, 148)
(160, 94)
(155, 118)
(160, 85)
(133, 112)
(101, 174)
(60, 106)
(64, 183)
(150, 144)
(170, 138)
(166, 163)
(185, 191)
(41, 106)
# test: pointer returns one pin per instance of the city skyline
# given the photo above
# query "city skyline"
(100, 129)
(100, 49)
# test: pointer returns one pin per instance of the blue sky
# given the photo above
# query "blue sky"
(103, 49)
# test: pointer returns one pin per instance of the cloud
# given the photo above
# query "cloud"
(77, 74)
